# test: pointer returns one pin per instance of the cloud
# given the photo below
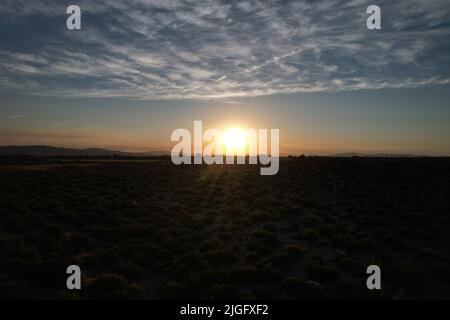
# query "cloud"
(15, 116)
(215, 49)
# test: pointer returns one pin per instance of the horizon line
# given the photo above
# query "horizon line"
(162, 152)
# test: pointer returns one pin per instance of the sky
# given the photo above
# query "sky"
(139, 69)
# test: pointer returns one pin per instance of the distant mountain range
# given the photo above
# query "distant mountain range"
(58, 151)
(376, 155)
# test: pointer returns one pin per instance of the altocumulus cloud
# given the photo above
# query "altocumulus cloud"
(167, 49)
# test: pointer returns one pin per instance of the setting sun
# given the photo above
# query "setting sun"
(234, 141)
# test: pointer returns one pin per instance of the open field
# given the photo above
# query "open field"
(150, 229)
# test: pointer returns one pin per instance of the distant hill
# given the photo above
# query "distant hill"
(58, 151)
(376, 155)
(40, 150)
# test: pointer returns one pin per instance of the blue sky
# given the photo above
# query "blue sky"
(139, 69)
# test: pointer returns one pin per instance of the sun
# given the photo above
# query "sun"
(234, 141)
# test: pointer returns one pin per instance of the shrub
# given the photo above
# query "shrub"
(271, 227)
(310, 221)
(223, 291)
(310, 235)
(212, 276)
(260, 248)
(171, 290)
(130, 271)
(210, 244)
(225, 237)
(321, 273)
(109, 256)
(299, 289)
(266, 237)
(246, 274)
(253, 274)
(253, 257)
(221, 257)
(85, 259)
(294, 250)
(281, 258)
(112, 286)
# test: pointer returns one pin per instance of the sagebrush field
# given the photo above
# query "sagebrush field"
(150, 229)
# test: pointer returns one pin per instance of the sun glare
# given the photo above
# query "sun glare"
(234, 141)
